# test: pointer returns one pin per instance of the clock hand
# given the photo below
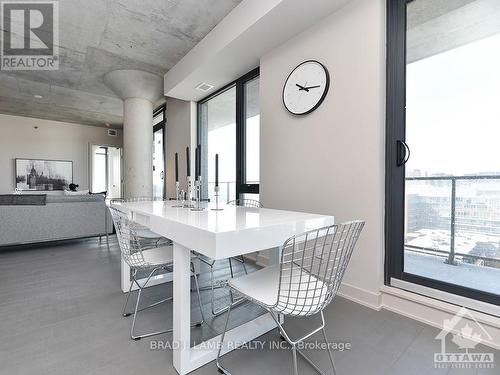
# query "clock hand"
(311, 87)
(302, 87)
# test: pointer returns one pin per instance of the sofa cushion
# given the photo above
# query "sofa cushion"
(23, 199)
(74, 198)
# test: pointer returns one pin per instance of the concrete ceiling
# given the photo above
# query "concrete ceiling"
(98, 36)
(435, 27)
(237, 44)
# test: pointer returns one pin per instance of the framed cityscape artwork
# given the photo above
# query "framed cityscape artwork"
(44, 175)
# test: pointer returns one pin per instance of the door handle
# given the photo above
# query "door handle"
(403, 153)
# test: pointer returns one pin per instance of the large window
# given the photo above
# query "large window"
(443, 198)
(229, 125)
(159, 152)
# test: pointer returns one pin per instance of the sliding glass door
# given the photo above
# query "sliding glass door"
(443, 163)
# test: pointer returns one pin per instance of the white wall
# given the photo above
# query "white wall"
(181, 132)
(332, 160)
(52, 140)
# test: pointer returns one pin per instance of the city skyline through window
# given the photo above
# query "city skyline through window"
(452, 206)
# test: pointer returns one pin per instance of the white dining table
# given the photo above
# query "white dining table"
(233, 231)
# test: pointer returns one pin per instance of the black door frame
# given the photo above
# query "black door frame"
(241, 186)
(395, 155)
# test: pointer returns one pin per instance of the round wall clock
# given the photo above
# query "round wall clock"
(306, 87)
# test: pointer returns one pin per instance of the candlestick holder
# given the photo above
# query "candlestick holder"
(217, 208)
(182, 197)
(189, 193)
(177, 188)
(197, 186)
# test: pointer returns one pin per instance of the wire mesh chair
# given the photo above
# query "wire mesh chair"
(246, 203)
(148, 237)
(240, 259)
(306, 280)
(140, 259)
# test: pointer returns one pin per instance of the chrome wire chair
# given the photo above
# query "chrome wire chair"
(240, 259)
(140, 259)
(246, 203)
(148, 237)
(306, 280)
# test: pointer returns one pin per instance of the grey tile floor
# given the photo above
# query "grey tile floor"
(60, 314)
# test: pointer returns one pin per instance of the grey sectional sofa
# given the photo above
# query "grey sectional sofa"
(63, 217)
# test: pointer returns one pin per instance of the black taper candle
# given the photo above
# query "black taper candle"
(199, 161)
(216, 170)
(196, 163)
(176, 167)
(188, 163)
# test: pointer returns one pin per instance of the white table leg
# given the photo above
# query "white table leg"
(275, 255)
(185, 358)
(182, 309)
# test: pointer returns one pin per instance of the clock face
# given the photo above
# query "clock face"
(306, 87)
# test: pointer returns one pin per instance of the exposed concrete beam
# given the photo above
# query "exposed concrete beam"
(236, 44)
(473, 21)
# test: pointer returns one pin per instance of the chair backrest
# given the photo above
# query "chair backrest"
(246, 203)
(130, 245)
(136, 199)
(144, 199)
(312, 267)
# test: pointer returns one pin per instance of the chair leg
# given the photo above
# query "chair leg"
(242, 261)
(134, 280)
(221, 369)
(233, 301)
(212, 288)
(132, 329)
(330, 354)
(231, 267)
(126, 300)
(284, 336)
(199, 295)
(294, 355)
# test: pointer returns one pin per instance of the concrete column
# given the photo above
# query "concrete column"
(138, 90)
(137, 147)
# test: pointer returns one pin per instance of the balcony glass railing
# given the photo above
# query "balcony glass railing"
(454, 217)
(227, 190)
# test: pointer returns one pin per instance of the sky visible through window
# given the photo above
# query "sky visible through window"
(453, 111)
(222, 140)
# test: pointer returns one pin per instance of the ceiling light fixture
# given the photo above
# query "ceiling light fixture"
(38, 96)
